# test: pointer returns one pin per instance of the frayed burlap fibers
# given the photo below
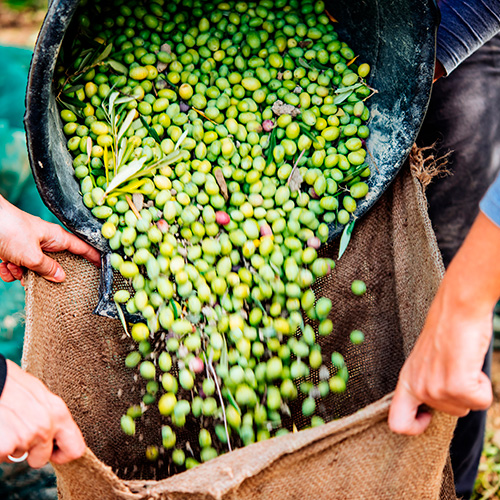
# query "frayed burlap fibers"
(354, 456)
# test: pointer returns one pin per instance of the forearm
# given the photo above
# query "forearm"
(473, 277)
(465, 26)
(443, 370)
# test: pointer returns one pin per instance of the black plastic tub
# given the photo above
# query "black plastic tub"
(397, 39)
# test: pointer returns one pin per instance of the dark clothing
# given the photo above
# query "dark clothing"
(465, 26)
(3, 373)
(463, 118)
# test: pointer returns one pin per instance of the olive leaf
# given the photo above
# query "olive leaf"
(304, 63)
(340, 98)
(125, 174)
(126, 124)
(342, 90)
(73, 88)
(171, 158)
(105, 53)
(180, 140)
(259, 304)
(112, 98)
(271, 145)
(122, 317)
(124, 99)
(65, 105)
(221, 181)
(152, 132)
(86, 60)
(232, 401)
(317, 65)
(131, 188)
(355, 173)
(124, 51)
(72, 101)
(346, 237)
(117, 66)
(174, 307)
(121, 152)
(306, 131)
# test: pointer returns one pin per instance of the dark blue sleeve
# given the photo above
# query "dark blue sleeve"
(465, 26)
(3, 373)
(490, 204)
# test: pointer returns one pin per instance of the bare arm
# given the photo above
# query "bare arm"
(444, 370)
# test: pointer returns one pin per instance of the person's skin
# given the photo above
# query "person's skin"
(444, 369)
(24, 238)
(32, 418)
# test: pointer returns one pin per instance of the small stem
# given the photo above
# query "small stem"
(132, 206)
(222, 405)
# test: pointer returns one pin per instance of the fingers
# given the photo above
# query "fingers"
(40, 453)
(69, 441)
(34, 420)
(70, 445)
(10, 272)
(15, 270)
(13, 441)
(404, 417)
(46, 267)
(5, 274)
(57, 239)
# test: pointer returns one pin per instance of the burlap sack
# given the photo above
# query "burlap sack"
(393, 249)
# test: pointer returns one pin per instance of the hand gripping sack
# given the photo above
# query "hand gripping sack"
(354, 456)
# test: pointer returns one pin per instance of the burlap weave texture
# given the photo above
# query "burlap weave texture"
(80, 357)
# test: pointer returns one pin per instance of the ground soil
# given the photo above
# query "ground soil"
(19, 28)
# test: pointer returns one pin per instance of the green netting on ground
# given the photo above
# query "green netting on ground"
(17, 481)
(16, 184)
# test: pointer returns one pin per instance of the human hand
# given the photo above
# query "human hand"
(444, 370)
(34, 420)
(24, 238)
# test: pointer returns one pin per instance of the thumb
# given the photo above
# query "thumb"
(48, 268)
(404, 415)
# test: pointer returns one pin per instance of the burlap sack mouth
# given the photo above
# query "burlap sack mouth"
(393, 249)
(297, 466)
